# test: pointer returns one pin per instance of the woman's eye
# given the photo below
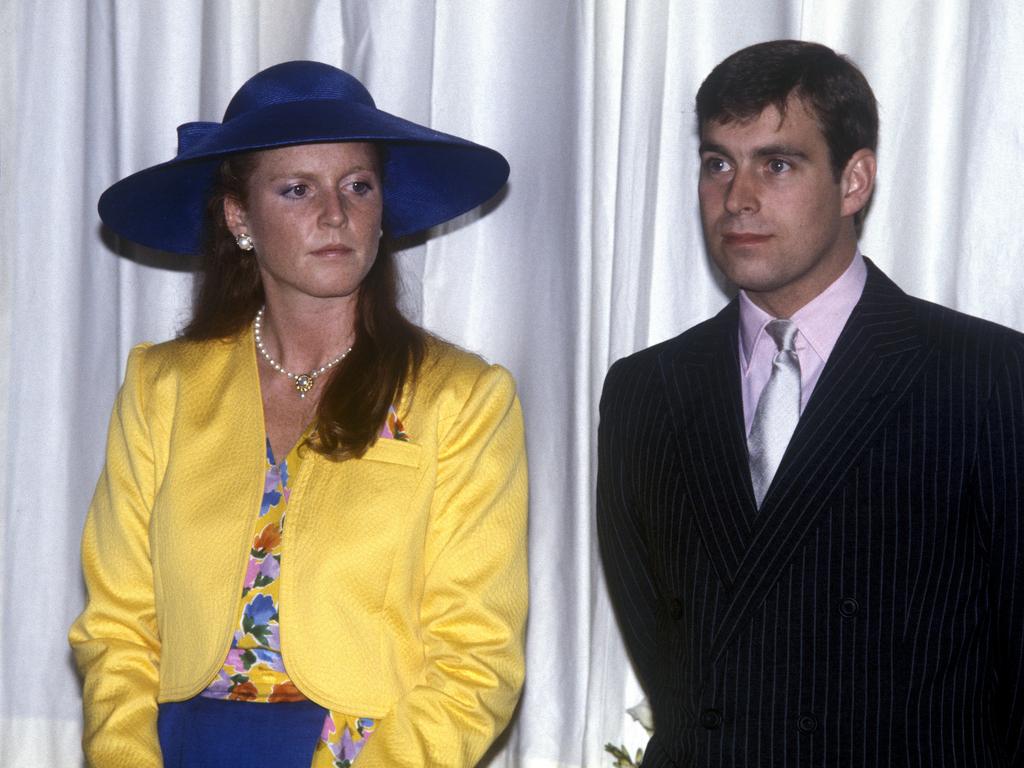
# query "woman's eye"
(361, 187)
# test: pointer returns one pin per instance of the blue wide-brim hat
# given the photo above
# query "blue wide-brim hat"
(429, 176)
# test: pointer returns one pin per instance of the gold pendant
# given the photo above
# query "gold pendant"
(303, 383)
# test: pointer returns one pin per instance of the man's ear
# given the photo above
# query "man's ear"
(857, 181)
(235, 216)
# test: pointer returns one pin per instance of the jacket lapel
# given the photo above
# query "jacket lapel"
(875, 361)
(702, 379)
(220, 416)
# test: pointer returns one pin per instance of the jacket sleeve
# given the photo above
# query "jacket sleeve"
(475, 590)
(629, 427)
(1000, 480)
(115, 641)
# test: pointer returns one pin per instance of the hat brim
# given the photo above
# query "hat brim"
(429, 176)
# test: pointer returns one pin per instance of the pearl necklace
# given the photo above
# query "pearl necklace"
(303, 381)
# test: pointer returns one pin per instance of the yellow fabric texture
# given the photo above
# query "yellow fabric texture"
(425, 540)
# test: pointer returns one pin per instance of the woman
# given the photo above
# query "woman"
(308, 541)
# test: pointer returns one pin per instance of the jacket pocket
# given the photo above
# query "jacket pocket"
(394, 452)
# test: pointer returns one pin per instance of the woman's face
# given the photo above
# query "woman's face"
(314, 213)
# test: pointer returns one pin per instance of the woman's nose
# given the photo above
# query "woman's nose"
(333, 212)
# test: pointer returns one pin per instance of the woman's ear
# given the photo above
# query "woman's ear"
(235, 216)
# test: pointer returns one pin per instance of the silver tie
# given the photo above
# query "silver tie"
(777, 411)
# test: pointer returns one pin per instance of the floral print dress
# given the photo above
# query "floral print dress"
(254, 669)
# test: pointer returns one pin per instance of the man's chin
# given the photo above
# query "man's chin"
(750, 275)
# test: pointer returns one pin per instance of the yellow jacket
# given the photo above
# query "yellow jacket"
(403, 587)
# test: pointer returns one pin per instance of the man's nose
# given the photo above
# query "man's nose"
(742, 195)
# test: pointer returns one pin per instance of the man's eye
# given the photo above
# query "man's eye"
(716, 165)
(297, 190)
(361, 187)
(778, 166)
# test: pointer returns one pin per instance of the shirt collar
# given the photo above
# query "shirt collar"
(820, 321)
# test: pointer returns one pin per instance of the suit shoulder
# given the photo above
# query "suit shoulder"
(449, 374)
(706, 335)
(444, 360)
(954, 331)
(159, 377)
(180, 357)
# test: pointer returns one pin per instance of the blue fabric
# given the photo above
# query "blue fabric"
(429, 177)
(220, 733)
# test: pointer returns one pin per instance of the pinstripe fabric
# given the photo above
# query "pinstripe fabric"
(872, 613)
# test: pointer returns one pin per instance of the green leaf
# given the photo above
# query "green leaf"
(261, 632)
(621, 755)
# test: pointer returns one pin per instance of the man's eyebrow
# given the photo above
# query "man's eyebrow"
(780, 149)
(787, 150)
(708, 146)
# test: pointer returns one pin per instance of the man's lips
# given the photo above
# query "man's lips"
(744, 238)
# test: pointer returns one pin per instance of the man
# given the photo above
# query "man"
(810, 505)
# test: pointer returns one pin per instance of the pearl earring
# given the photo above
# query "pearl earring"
(244, 242)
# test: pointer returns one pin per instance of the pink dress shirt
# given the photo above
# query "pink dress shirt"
(819, 323)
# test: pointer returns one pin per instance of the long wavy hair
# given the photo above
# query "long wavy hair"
(388, 349)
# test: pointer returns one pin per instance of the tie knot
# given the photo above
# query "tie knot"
(783, 332)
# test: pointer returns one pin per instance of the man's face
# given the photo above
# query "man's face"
(776, 221)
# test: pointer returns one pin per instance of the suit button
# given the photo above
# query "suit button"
(711, 719)
(675, 608)
(848, 607)
(807, 723)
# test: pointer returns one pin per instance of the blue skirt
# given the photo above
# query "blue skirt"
(220, 733)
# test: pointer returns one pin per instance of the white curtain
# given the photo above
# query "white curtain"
(593, 252)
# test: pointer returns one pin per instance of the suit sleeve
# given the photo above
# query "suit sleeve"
(475, 595)
(626, 425)
(115, 641)
(1000, 470)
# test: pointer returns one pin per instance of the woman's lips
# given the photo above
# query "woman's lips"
(333, 250)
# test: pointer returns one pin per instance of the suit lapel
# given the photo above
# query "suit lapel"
(223, 419)
(875, 361)
(703, 383)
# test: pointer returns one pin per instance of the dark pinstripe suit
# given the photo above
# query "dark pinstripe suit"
(872, 613)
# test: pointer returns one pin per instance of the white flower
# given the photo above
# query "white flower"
(642, 714)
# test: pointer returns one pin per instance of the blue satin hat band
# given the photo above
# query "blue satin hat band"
(429, 176)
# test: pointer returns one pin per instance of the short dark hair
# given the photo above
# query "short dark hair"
(766, 74)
